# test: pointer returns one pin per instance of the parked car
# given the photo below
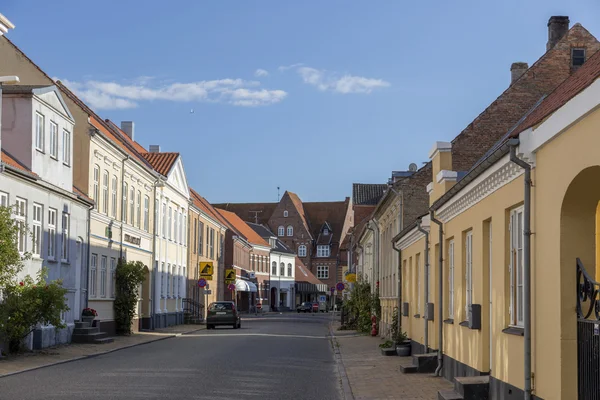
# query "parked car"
(304, 307)
(223, 313)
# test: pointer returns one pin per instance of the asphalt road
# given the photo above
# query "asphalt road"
(274, 357)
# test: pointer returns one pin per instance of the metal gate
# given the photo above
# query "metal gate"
(588, 335)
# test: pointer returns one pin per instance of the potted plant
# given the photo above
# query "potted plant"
(399, 338)
(88, 315)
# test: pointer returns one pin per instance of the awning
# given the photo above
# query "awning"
(245, 286)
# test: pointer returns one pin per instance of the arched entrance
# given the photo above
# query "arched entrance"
(579, 235)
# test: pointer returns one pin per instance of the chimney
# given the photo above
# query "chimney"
(557, 27)
(129, 128)
(516, 70)
(154, 148)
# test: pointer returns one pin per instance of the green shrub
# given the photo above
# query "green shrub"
(129, 277)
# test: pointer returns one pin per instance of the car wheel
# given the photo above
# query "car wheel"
(209, 327)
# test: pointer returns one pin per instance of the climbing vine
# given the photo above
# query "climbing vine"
(129, 276)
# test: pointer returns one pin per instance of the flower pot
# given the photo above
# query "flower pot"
(403, 350)
(88, 318)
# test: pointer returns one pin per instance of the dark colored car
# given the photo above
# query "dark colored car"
(223, 313)
(304, 307)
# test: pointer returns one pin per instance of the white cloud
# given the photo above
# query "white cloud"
(261, 72)
(345, 84)
(286, 67)
(113, 95)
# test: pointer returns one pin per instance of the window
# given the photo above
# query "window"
(282, 269)
(132, 205)
(21, 218)
(114, 197)
(168, 280)
(113, 276)
(577, 57)
(156, 218)
(468, 271)
(39, 131)
(290, 230)
(212, 243)
(3, 199)
(37, 230)
(184, 229)
(418, 272)
(124, 205)
(175, 223)
(281, 231)
(302, 250)
(65, 237)
(170, 222)
(274, 268)
(322, 272)
(285, 213)
(66, 147)
(96, 188)
(289, 269)
(51, 234)
(94, 263)
(105, 193)
(516, 270)
(162, 280)
(322, 251)
(325, 231)
(179, 229)
(451, 279)
(103, 276)
(147, 213)
(139, 209)
(178, 281)
(53, 140)
(200, 234)
(164, 219)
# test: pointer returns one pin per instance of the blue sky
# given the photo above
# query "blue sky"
(366, 88)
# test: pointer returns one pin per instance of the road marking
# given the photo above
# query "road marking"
(255, 334)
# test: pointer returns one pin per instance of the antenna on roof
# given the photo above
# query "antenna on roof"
(412, 167)
(277, 193)
(256, 216)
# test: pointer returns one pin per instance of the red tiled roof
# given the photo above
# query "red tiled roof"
(252, 212)
(243, 228)
(205, 206)
(571, 87)
(161, 162)
(81, 194)
(303, 274)
(138, 147)
(300, 208)
(13, 162)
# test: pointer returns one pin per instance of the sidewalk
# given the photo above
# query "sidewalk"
(14, 364)
(373, 376)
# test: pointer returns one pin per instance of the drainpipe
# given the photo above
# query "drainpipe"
(438, 370)
(154, 275)
(122, 208)
(375, 231)
(426, 281)
(399, 285)
(513, 143)
(89, 249)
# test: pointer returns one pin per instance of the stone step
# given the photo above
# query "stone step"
(449, 394)
(82, 324)
(472, 387)
(425, 363)
(88, 338)
(408, 368)
(85, 331)
(104, 340)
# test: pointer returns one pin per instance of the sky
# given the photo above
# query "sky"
(306, 96)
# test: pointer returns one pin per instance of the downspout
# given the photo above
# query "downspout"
(438, 370)
(426, 282)
(122, 208)
(155, 266)
(89, 249)
(399, 285)
(513, 143)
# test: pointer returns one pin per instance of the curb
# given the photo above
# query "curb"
(97, 354)
(346, 389)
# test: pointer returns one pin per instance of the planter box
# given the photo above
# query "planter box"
(403, 350)
(388, 351)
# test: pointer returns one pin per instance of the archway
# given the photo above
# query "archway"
(578, 246)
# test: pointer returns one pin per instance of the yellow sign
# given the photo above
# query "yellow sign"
(207, 277)
(351, 278)
(229, 275)
(206, 268)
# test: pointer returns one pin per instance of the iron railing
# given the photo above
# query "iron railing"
(192, 309)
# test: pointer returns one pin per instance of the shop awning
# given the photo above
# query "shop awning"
(245, 286)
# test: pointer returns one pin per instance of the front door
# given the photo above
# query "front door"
(588, 336)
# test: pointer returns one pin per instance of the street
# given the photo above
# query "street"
(270, 357)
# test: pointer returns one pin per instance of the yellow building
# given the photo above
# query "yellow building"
(497, 304)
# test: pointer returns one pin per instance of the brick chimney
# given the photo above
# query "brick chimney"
(516, 70)
(557, 27)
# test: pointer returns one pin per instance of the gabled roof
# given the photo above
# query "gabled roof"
(39, 90)
(262, 230)
(300, 208)
(161, 162)
(8, 159)
(331, 212)
(303, 274)
(203, 204)
(367, 193)
(138, 147)
(248, 233)
(251, 212)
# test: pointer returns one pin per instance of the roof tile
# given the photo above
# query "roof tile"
(161, 162)
(243, 228)
(367, 193)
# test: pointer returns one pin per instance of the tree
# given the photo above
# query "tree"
(129, 277)
(11, 261)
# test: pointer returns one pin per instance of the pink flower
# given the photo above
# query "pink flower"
(21, 283)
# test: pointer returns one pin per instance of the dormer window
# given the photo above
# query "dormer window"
(325, 231)
(577, 57)
(323, 251)
(285, 213)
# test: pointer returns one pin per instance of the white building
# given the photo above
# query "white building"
(36, 178)
(172, 198)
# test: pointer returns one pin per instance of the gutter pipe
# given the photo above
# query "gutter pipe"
(399, 285)
(438, 370)
(426, 282)
(513, 143)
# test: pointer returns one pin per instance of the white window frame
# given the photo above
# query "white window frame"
(139, 209)
(289, 269)
(3, 199)
(170, 222)
(323, 250)
(93, 274)
(302, 251)
(53, 140)
(96, 186)
(418, 271)
(179, 282)
(66, 222)
(162, 280)
(290, 230)
(516, 272)
(184, 229)
(325, 231)
(274, 268)
(281, 231)
(105, 177)
(451, 279)
(132, 204)
(115, 185)
(125, 189)
(323, 272)
(52, 215)
(21, 218)
(168, 280)
(147, 213)
(66, 147)
(40, 122)
(285, 213)
(103, 275)
(164, 220)
(282, 269)
(113, 277)
(468, 272)
(36, 239)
